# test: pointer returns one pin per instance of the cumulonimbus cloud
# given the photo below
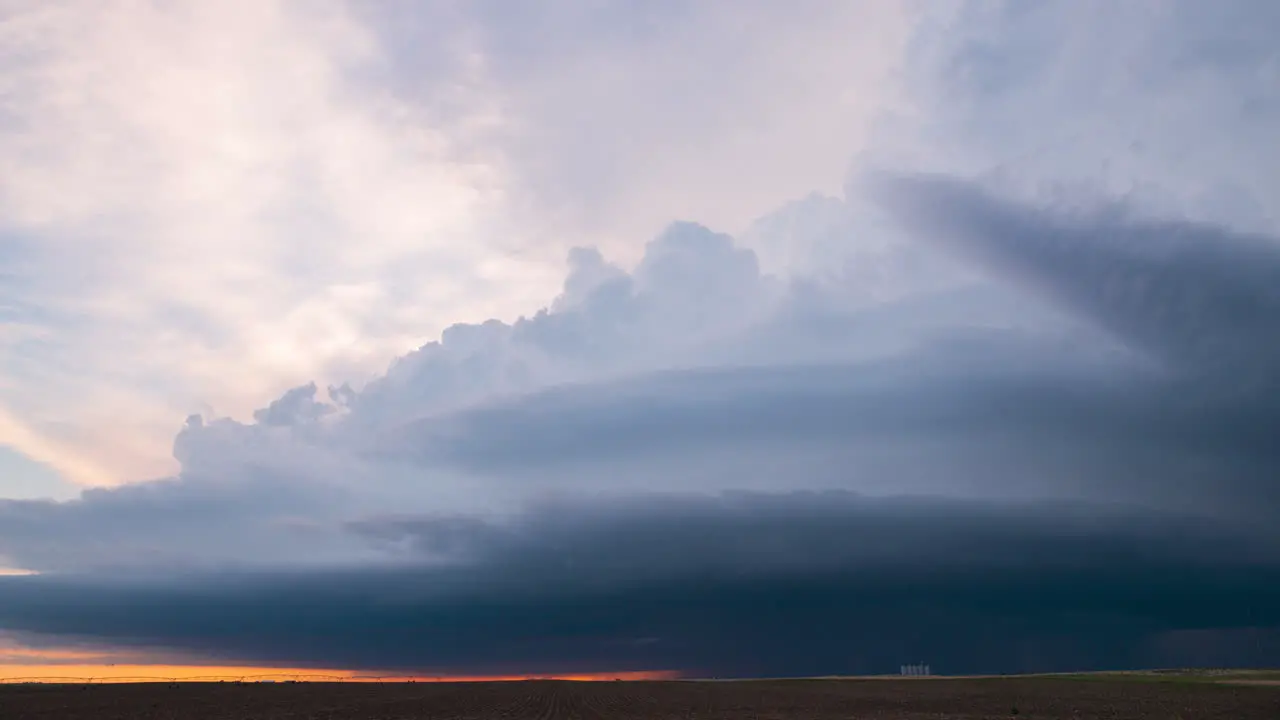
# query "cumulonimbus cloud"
(637, 494)
(1055, 451)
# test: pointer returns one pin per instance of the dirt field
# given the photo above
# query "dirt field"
(1021, 698)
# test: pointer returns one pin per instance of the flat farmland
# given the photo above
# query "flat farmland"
(1021, 698)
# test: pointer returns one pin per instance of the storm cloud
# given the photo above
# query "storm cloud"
(1097, 491)
(1008, 404)
(1201, 297)
(743, 584)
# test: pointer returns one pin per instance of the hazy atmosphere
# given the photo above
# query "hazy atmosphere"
(706, 338)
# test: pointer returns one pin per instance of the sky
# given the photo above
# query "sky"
(700, 338)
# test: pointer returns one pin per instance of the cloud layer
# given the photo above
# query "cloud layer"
(740, 585)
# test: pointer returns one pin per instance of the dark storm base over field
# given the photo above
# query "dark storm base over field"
(813, 699)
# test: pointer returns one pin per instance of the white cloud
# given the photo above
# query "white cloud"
(205, 202)
(631, 114)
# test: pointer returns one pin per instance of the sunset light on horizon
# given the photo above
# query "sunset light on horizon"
(216, 673)
(22, 663)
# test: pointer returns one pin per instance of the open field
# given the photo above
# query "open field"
(1023, 698)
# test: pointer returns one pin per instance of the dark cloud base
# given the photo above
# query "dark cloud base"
(802, 584)
(973, 622)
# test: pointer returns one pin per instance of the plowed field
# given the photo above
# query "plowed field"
(1021, 698)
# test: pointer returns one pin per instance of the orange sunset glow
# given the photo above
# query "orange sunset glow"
(19, 662)
(213, 673)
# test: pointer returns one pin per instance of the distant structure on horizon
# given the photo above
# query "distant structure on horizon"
(916, 670)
